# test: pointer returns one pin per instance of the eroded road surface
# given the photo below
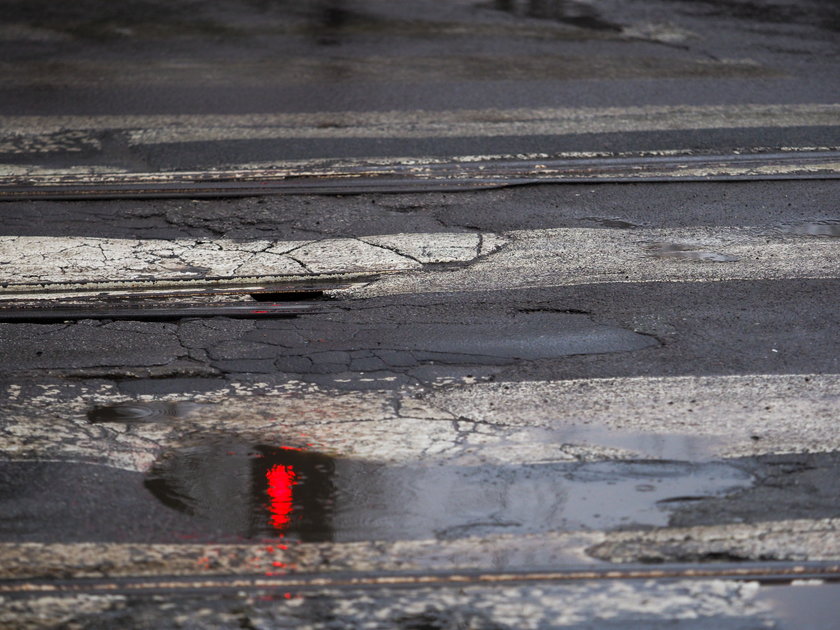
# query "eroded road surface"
(518, 392)
(423, 398)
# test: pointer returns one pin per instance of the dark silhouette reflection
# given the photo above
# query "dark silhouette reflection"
(270, 492)
(223, 491)
(571, 12)
(250, 492)
(329, 18)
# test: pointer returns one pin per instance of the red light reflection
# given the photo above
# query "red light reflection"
(281, 479)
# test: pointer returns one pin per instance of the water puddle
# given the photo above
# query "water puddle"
(573, 12)
(824, 229)
(225, 491)
(138, 412)
(310, 496)
(803, 605)
(662, 446)
(527, 336)
(682, 251)
(251, 491)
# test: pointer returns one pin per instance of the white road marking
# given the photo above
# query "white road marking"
(516, 259)
(762, 161)
(781, 540)
(24, 131)
(751, 414)
(27, 261)
(687, 418)
(574, 256)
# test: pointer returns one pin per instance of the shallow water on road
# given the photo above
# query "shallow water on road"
(805, 605)
(683, 251)
(317, 498)
(825, 229)
(236, 491)
(132, 412)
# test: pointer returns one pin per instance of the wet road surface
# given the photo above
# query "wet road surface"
(281, 89)
(530, 380)
(589, 405)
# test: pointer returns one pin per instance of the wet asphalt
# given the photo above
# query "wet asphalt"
(209, 488)
(340, 58)
(130, 464)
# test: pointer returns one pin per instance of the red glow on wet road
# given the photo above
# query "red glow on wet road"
(281, 479)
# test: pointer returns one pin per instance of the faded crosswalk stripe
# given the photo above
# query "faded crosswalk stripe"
(42, 133)
(507, 260)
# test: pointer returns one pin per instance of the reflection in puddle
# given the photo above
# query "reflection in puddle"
(826, 229)
(681, 251)
(330, 17)
(574, 12)
(264, 491)
(249, 492)
(131, 412)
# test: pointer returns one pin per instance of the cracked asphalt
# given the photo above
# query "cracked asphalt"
(606, 404)
(709, 402)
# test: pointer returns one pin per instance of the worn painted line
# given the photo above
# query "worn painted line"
(746, 415)
(575, 256)
(57, 263)
(179, 289)
(412, 174)
(113, 560)
(677, 418)
(165, 129)
(524, 605)
(771, 572)
(529, 258)
(780, 541)
(513, 162)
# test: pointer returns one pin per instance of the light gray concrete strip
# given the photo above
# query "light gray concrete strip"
(756, 162)
(742, 415)
(683, 418)
(23, 132)
(530, 258)
(573, 256)
(792, 540)
(371, 425)
(26, 262)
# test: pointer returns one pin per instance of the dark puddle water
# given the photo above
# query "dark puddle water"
(574, 12)
(824, 229)
(682, 251)
(804, 606)
(230, 491)
(138, 412)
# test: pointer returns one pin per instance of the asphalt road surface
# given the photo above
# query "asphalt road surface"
(335, 86)
(424, 397)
